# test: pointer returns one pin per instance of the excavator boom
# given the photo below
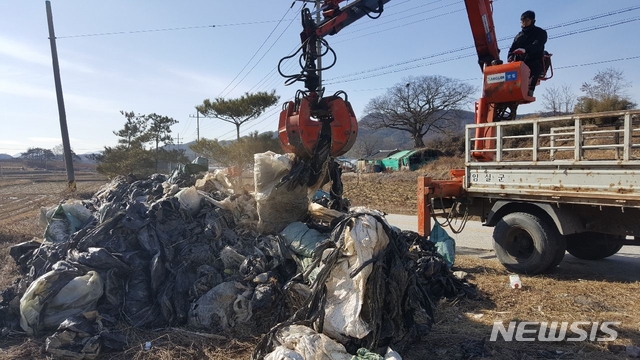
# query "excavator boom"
(480, 13)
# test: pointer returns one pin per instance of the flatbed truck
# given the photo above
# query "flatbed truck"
(564, 183)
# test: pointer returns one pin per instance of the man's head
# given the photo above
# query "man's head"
(527, 18)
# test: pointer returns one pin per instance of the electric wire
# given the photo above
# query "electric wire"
(382, 23)
(166, 29)
(573, 22)
(589, 18)
(257, 51)
(130, 32)
(270, 74)
(345, 78)
(271, 112)
(392, 14)
(259, 60)
(568, 23)
(469, 47)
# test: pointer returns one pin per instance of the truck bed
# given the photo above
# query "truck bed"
(579, 158)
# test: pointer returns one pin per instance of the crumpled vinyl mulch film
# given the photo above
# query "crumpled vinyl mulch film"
(162, 265)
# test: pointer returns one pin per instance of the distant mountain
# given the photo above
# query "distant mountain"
(88, 158)
(5, 157)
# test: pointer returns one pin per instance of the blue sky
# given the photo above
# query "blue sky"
(170, 72)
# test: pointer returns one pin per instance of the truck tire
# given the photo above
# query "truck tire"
(593, 245)
(562, 249)
(527, 244)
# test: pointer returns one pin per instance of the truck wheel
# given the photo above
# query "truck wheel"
(560, 251)
(593, 245)
(527, 244)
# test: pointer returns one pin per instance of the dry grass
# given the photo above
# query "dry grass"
(395, 192)
(553, 297)
(168, 344)
(20, 202)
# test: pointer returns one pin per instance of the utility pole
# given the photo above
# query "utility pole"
(197, 116)
(68, 160)
(197, 124)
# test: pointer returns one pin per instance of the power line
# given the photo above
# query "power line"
(208, 126)
(167, 29)
(275, 72)
(257, 51)
(382, 23)
(599, 62)
(596, 27)
(263, 55)
(189, 27)
(399, 26)
(574, 32)
(590, 18)
(568, 23)
(573, 22)
(560, 67)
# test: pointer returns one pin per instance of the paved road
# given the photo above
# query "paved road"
(476, 240)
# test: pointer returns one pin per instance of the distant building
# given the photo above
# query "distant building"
(397, 160)
(373, 163)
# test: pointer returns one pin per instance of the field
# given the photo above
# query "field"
(462, 327)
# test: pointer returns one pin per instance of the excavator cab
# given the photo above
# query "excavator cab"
(507, 83)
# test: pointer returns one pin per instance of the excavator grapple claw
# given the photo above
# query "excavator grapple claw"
(301, 125)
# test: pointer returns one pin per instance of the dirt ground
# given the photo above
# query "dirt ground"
(394, 192)
(462, 329)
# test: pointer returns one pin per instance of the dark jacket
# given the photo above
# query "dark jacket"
(532, 39)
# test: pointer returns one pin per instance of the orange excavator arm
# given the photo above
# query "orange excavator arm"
(484, 34)
(311, 116)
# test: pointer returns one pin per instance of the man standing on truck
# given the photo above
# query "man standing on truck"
(528, 46)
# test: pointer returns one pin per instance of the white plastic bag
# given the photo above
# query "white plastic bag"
(364, 238)
(277, 207)
(190, 200)
(301, 342)
(43, 306)
(63, 220)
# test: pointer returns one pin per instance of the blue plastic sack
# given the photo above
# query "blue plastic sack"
(445, 245)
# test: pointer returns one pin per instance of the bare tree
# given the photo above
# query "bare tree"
(607, 83)
(568, 98)
(58, 150)
(552, 100)
(559, 100)
(366, 145)
(606, 92)
(419, 105)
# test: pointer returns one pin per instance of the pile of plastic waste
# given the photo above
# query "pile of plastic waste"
(155, 252)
